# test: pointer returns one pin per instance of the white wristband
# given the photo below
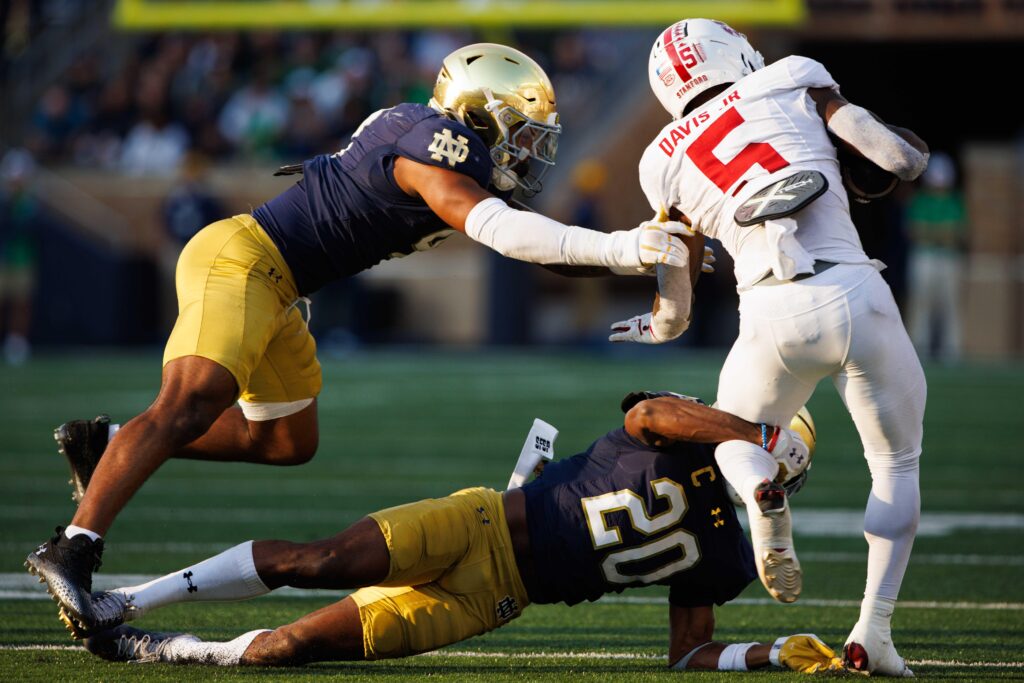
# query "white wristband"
(874, 140)
(734, 657)
(773, 654)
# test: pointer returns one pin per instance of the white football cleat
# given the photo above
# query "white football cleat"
(870, 650)
(771, 530)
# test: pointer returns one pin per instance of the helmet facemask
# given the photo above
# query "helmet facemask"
(524, 149)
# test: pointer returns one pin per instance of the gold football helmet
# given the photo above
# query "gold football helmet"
(803, 424)
(507, 99)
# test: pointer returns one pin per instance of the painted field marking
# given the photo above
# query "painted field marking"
(23, 586)
(214, 547)
(481, 654)
(818, 522)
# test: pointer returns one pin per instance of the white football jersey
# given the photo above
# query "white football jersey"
(761, 129)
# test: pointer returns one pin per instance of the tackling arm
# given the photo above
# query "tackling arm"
(691, 647)
(660, 420)
(465, 206)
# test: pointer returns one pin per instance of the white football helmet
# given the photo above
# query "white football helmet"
(803, 424)
(693, 55)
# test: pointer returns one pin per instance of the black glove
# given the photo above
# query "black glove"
(634, 397)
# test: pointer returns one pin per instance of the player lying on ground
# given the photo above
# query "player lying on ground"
(748, 159)
(642, 505)
(412, 175)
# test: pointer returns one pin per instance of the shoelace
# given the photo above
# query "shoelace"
(138, 649)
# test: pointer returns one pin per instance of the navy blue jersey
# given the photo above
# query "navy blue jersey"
(624, 514)
(347, 213)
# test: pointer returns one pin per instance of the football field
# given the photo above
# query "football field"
(398, 427)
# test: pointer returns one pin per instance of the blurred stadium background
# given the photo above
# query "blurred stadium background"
(128, 125)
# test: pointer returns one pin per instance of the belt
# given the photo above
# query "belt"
(770, 279)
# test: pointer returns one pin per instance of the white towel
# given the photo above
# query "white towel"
(786, 256)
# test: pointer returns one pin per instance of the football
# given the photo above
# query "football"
(863, 179)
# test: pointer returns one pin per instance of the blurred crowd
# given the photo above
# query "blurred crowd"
(230, 96)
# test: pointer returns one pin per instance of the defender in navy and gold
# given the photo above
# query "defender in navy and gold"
(348, 214)
(411, 175)
(625, 514)
(644, 504)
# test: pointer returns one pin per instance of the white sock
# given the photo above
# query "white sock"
(745, 465)
(228, 576)
(112, 429)
(877, 612)
(890, 522)
(71, 530)
(191, 650)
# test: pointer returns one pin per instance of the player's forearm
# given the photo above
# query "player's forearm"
(662, 421)
(717, 656)
(531, 237)
(876, 142)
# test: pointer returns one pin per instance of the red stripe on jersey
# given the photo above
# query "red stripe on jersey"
(673, 55)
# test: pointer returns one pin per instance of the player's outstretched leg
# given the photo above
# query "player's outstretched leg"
(884, 389)
(354, 558)
(332, 633)
(194, 392)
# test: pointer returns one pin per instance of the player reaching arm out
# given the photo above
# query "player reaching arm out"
(691, 647)
(461, 203)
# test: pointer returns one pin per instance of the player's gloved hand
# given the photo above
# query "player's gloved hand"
(790, 451)
(709, 259)
(636, 329)
(659, 242)
(805, 653)
(634, 397)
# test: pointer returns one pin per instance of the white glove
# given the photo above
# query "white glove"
(636, 329)
(709, 259)
(790, 451)
(658, 243)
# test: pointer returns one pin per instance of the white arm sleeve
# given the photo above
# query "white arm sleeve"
(675, 298)
(875, 141)
(529, 236)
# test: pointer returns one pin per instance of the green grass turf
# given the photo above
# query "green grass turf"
(402, 426)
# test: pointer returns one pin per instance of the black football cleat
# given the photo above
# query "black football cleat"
(82, 442)
(127, 644)
(66, 566)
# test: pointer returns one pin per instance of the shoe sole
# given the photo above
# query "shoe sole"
(62, 437)
(781, 575)
(779, 568)
(69, 617)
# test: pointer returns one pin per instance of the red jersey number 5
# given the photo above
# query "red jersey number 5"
(724, 175)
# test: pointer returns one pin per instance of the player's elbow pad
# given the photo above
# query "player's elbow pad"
(874, 140)
(529, 236)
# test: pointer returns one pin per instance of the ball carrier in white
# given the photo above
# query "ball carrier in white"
(812, 304)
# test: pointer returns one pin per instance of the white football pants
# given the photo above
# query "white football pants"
(844, 324)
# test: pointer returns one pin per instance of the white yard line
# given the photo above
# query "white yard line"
(481, 654)
(214, 547)
(22, 586)
(816, 522)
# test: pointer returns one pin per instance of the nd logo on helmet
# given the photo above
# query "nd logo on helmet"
(445, 147)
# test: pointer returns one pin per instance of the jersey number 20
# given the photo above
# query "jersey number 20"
(604, 536)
